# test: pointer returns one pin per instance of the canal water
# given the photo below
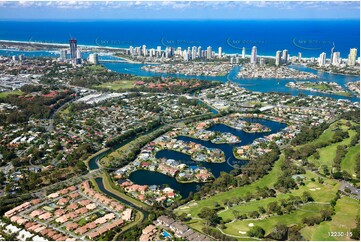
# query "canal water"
(144, 177)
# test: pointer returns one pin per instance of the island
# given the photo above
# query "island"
(282, 72)
(323, 87)
(192, 68)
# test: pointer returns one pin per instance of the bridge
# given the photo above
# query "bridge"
(113, 61)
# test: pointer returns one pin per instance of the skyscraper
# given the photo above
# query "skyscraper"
(322, 59)
(199, 52)
(254, 55)
(285, 56)
(78, 54)
(278, 58)
(219, 52)
(63, 54)
(244, 52)
(336, 59)
(73, 48)
(209, 52)
(332, 51)
(299, 56)
(194, 52)
(262, 62)
(352, 57)
(185, 55)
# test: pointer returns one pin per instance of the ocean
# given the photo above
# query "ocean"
(310, 37)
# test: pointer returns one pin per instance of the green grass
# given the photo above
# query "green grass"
(328, 153)
(348, 163)
(343, 221)
(5, 94)
(117, 85)
(267, 180)
(95, 67)
(268, 224)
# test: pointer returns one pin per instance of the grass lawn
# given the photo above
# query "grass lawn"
(343, 221)
(95, 67)
(267, 180)
(348, 163)
(268, 224)
(117, 85)
(5, 94)
(328, 153)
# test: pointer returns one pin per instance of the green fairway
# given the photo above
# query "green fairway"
(328, 153)
(236, 228)
(348, 163)
(343, 221)
(117, 85)
(267, 180)
(5, 94)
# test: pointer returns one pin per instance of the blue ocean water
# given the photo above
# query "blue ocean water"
(311, 37)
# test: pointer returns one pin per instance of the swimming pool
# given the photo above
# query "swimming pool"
(166, 234)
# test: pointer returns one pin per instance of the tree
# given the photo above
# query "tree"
(256, 231)
(306, 197)
(279, 232)
(210, 215)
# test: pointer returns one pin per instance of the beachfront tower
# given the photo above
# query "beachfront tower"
(352, 57)
(209, 52)
(243, 52)
(254, 55)
(73, 48)
(299, 57)
(336, 59)
(219, 52)
(322, 59)
(285, 56)
(63, 54)
(278, 58)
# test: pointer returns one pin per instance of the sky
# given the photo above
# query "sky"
(175, 10)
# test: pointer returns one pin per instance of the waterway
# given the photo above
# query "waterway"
(144, 177)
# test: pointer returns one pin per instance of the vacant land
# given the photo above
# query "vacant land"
(117, 85)
(5, 94)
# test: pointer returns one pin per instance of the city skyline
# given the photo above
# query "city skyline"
(174, 10)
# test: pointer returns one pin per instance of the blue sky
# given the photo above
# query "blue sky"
(38, 10)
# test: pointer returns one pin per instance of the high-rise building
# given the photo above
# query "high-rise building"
(332, 51)
(63, 54)
(93, 58)
(278, 58)
(299, 57)
(78, 54)
(254, 55)
(144, 50)
(194, 52)
(285, 56)
(336, 59)
(322, 59)
(219, 52)
(352, 57)
(199, 52)
(231, 60)
(73, 48)
(185, 55)
(209, 52)
(262, 62)
(244, 52)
